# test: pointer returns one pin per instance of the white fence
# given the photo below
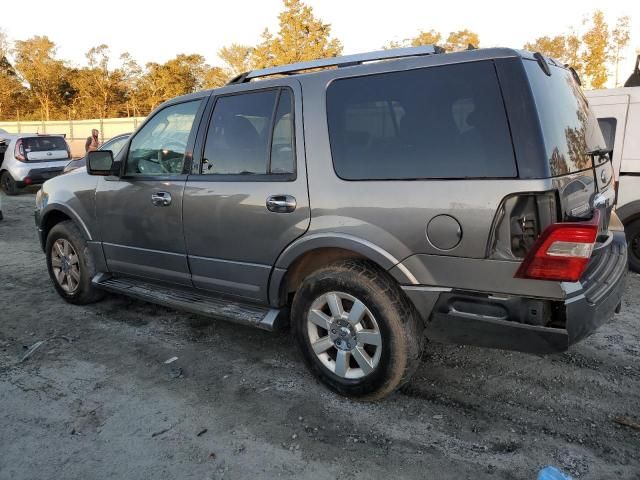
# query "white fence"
(76, 131)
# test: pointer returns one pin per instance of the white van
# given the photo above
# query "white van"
(618, 112)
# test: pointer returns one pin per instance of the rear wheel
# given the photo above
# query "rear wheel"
(8, 184)
(357, 332)
(632, 230)
(70, 264)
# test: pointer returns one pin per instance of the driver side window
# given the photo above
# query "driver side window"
(159, 147)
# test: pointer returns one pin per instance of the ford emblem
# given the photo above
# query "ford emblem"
(49, 154)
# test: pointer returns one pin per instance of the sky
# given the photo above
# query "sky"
(158, 30)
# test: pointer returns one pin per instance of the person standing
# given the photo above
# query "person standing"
(92, 142)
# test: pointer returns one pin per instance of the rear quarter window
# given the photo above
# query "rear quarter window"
(438, 122)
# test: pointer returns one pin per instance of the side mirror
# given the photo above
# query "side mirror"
(100, 162)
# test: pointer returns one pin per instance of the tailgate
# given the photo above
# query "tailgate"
(47, 155)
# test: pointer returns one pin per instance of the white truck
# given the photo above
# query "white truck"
(618, 112)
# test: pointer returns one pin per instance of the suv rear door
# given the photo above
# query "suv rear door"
(246, 198)
(140, 213)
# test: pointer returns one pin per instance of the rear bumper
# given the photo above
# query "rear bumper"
(527, 324)
(37, 176)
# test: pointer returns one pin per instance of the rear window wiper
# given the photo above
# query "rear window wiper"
(599, 152)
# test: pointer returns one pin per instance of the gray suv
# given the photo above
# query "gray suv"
(372, 201)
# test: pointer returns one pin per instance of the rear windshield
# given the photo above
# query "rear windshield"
(569, 128)
(43, 144)
(438, 122)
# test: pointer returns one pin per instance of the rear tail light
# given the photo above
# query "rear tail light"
(562, 252)
(18, 152)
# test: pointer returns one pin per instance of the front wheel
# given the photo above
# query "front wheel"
(357, 332)
(70, 264)
(632, 231)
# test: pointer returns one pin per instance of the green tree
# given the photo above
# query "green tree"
(461, 40)
(301, 37)
(594, 56)
(10, 86)
(620, 37)
(38, 66)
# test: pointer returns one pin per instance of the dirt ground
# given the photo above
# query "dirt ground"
(96, 399)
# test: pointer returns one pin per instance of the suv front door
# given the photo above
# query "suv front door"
(140, 213)
(247, 198)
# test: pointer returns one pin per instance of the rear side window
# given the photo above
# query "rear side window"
(438, 122)
(43, 144)
(569, 128)
(251, 134)
(608, 128)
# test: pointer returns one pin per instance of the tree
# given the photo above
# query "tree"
(10, 86)
(594, 57)
(555, 47)
(215, 77)
(564, 48)
(131, 74)
(237, 58)
(98, 87)
(461, 40)
(301, 37)
(430, 37)
(36, 64)
(178, 76)
(619, 41)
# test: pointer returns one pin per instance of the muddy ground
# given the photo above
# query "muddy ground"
(97, 401)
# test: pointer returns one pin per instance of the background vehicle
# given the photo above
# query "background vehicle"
(30, 159)
(468, 194)
(114, 144)
(618, 112)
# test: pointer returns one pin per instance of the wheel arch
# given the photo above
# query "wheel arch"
(56, 213)
(309, 253)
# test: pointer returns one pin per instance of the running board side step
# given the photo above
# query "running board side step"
(251, 315)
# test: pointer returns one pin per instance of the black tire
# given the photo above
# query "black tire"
(399, 324)
(85, 292)
(632, 231)
(8, 184)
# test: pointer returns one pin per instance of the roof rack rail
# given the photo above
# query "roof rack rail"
(343, 61)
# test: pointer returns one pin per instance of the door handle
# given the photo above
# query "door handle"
(281, 203)
(161, 199)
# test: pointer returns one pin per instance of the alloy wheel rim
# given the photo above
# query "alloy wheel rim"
(344, 335)
(65, 265)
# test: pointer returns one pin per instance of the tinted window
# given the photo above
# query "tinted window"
(568, 126)
(238, 140)
(43, 144)
(159, 148)
(608, 128)
(115, 144)
(438, 122)
(282, 144)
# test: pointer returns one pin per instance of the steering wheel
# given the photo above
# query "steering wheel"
(168, 165)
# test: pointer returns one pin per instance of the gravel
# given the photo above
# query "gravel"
(96, 399)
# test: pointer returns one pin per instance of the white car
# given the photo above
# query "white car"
(618, 112)
(30, 159)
